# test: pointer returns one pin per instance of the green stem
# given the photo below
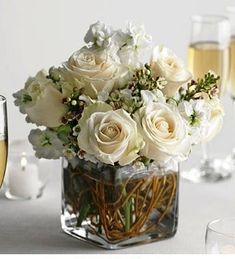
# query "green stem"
(83, 213)
(127, 212)
(127, 209)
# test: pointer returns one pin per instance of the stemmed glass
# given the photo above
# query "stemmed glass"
(230, 160)
(209, 50)
(3, 138)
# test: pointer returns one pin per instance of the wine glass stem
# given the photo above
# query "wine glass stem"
(204, 152)
(233, 99)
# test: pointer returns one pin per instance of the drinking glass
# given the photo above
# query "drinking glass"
(3, 138)
(230, 160)
(220, 236)
(209, 50)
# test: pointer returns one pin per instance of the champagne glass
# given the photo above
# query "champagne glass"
(230, 160)
(209, 50)
(3, 138)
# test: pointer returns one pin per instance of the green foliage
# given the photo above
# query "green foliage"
(45, 140)
(198, 89)
(194, 120)
(64, 132)
(26, 98)
(119, 100)
(143, 79)
(131, 101)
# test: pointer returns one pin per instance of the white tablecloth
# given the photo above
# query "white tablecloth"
(34, 226)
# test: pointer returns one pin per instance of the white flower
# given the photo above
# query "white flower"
(86, 99)
(46, 144)
(95, 68)
(22, 99)
(135, 37)
(34, 85)
(41, 101)
(103, 96)
(99, 34)
(110, 136)
(164, 131)
(197, 114)
(215, 121)
(152, 96)
(69, 153)
(204, 118)
(127, 93)
(133, 45)
(166, 64)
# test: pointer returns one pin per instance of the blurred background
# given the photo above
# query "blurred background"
(36, 34)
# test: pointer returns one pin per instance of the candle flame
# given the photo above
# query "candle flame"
(23, 163)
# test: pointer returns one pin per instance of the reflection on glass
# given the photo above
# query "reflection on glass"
(3, 138)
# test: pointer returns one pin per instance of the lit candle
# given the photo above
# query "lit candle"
(23, 181)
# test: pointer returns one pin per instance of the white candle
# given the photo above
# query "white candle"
(23, 179)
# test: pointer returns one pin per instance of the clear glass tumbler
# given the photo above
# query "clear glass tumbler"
(220, 236)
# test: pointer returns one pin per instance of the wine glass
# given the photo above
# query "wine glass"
(220, 236)
(3, 138)
(230, 160)
(209, 50)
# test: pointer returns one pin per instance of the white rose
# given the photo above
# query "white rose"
(95, 68)
(110, 136)
(166, 64)
(164, 131)
(44, 103)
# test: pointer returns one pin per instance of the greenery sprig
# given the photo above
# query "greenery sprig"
(143, 79)
(198, 89)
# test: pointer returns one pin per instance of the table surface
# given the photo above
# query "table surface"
(34, 226)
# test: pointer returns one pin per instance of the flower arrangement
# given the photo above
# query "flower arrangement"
(120, 110)
(111, 103)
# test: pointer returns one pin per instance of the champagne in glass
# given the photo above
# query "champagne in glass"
(204, 56)
(231, 82)
(3, 138)
(209, 50)
(230, 160)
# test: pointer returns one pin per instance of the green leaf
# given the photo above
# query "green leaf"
(26, 98)
(84, 210)
(63, 132)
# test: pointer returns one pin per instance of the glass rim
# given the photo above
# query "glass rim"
(209, 18)
(2, 99)
(220, 220)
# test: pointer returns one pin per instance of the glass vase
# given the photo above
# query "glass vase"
(115, 207)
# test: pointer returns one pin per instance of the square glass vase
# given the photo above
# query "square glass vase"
(115, 207)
